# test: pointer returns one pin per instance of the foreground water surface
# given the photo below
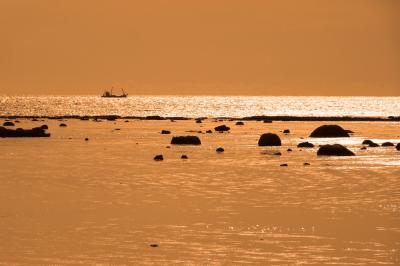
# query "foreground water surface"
(66, 201)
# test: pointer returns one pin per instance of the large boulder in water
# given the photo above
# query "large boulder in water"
(398, 146)
(8, 124)
(334, 150)
(186, 140)
(329, 131)
(20, 133)
(269, 139)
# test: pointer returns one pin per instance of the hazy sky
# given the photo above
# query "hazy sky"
(251, 47)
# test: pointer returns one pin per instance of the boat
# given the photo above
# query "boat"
(109, 94)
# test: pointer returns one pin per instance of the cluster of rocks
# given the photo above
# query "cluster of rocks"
(23, 133)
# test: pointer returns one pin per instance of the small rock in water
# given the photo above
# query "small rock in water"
(63, 125)
(165, 132)
(286, 131)
(277, 153)
(168, 147)
(86, 139)
(306, 164)
(159, 157)
(267, 121)
(184, 156)
(373, 145)
(8, 124)
(387, 144)
(209, 131)
(154, 245)
(334, 150)
(269, 139)
(198, 121)
(305, 145)
(222, 128)
(239, 123)
(186, 140)
(284, 165)
(398, 146)
(289, 150)
(363, 148)
(44, 127)
(220, 149)
(367, 142)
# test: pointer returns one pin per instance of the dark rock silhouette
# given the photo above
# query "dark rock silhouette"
(198, 121)
(209, 131)
(289, 149)
(63, 125)
(220, 149)
(239, 123)
(284, 165)
(305, 145)
(165, 132)
(278, 153)
(184, 156)
(267, 121)
(398, 146)
(286, 131)
(329, 131)
(387, 144)
(367, 142)
(186, 140)
(8, 124)
(334, 150)
(373, 145)
(159, 157)
(20, 133)
(269, 139)
(306, 164)
(349, 131)
(44, 127)
(222, 128)
(154, 245)
(363, 148)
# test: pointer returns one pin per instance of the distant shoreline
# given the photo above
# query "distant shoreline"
(249, 118)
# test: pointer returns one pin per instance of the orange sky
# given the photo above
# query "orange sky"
(251, 47)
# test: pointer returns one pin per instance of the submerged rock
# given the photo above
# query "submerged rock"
(269, 139)
(267, 121)
(159, 157)
(329, 131)
(239, 123)
(222, 128)
(398, 146)
(305, 145)
(184, 156)
(209, 131)
(284, 165)
(367, 142)
(334, 150)
(165, 132)
(19, 132)
(286, 131)
(186, 140)
(8, 124)
(63, 125)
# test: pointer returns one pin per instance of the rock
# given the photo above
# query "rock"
(329, 131)
(239, 123)
(367, 142)
(267, 121)
(159, 157)
(305, 145)
(289, 150)
(278, 153)
(86, 139)
(44, 127)
(35, 120)
(16, 121)
(284, 165)
(154, 245)
(363, 148)
(19, 133)
(165, 132)
(117, 129)
(306, 164)
(373, 145)
(269, 139)
(8, 124)
(222, 128)
(209, 131)
(387, 144)
(334, 150)
(63, 125)
(184, 156)
(126, 121)
(220, 149)
(198, 121)
(398, 146)
(186, 140)
(286, 131)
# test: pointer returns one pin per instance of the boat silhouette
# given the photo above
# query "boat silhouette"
(109, 94)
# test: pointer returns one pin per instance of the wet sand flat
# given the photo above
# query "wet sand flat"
(64, 200)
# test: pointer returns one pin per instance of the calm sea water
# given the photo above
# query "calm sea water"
(196, 106)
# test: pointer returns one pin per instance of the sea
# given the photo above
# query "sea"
(200, 106)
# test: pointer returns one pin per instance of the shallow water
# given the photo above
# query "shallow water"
(200, 106)
(70, 202)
